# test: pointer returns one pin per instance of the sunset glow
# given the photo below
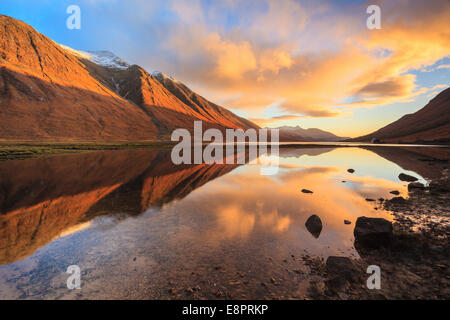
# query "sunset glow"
(275, 62)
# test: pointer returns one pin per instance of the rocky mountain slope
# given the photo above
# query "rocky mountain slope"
(54, 93)
(429, 124)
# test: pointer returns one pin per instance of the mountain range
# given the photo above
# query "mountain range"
(312, 134)
(49, 92)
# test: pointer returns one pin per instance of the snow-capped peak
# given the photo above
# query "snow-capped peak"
(162, 76)
(102, 58)
(108, 59)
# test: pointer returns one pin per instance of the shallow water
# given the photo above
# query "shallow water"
(140, 227)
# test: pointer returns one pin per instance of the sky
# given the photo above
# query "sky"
(311, 63)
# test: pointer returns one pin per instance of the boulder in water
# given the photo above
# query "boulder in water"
(314, 225)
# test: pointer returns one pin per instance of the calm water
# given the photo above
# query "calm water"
(140, 227)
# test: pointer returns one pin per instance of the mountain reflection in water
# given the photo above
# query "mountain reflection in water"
(187, 220)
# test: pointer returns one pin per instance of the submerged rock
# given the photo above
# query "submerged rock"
(415, 185)
(407, 177)
(370, 200)
(306, 191)
(395, 192)
(351, 170)
(314, 225)
(373, 232)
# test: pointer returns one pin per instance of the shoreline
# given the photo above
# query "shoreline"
(16, 150)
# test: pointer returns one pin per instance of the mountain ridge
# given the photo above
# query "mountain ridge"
(431, 124)
(49, 92)
(297, 133)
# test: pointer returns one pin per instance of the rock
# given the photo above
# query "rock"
(306, 191)
(337, 284)
(395, 192)
(314, 225)
(342, 267)
(351, 170)
(407, 177)
(415, 185)
(397, 200)
(347, 222)
(373, 232)
(370, 200)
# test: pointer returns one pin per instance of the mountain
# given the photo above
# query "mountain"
(299, 134)
(431, 124)
(49, 92)
(203, 109)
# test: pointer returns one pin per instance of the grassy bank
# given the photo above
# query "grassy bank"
(24, 150)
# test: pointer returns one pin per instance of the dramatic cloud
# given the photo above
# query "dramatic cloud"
(259, 61)
(309, 58)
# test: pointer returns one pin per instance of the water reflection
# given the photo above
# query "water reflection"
(136, 223)
(42, 199)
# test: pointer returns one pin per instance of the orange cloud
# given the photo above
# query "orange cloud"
(263, 122)
(266, 58)
(232, 60)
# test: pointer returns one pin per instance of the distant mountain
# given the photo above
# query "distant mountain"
(299, 134)
(431, 124)
(52, 92)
